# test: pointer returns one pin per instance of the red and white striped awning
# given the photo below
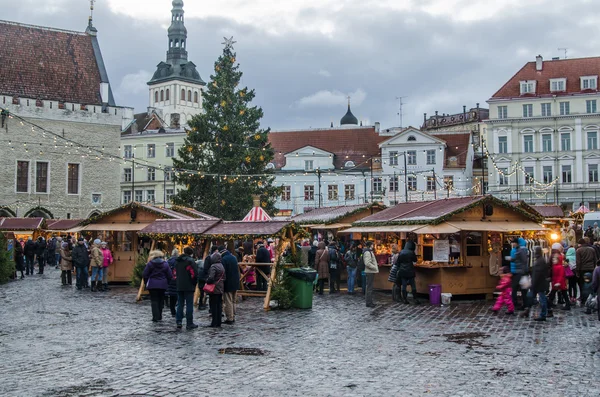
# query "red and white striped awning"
(582, 210)
(257, 214)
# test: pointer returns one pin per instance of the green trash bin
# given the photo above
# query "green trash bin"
(301, 282)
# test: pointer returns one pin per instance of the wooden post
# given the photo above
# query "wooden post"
(292, 244)
(273, 275)
(140, 291)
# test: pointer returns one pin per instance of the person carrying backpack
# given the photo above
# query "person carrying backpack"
(334, 268)
(351, 266)
(51, 252)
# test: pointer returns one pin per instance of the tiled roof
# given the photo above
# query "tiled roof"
(166, 211)
(178, 226)
(193, 213)
(20, 223)
(48, 64)
(457, 145)
(258, 229)
(549, 211)
(356, 144)
(424, 211)
(571, 69)
(326, 214)
(62, 224)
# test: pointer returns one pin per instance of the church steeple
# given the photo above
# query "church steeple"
(177, 52)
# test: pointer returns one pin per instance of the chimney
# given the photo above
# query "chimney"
(174, 121)
(424, 118)
(377, 127)
(539, 62)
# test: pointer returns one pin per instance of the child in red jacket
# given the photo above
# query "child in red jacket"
(559, 281)
(505, 292)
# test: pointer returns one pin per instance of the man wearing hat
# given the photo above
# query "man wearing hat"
(585, 261)
(232, 283)
(81, 261)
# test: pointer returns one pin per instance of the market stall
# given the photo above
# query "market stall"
(459, 240)
(24, 228)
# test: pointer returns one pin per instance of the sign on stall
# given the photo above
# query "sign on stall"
(441, 251)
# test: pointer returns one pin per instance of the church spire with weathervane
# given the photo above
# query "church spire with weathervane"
(177, 52)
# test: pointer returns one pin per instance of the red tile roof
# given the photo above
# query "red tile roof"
(62, 224)
(20, 223)
(571, 69)
(257, 229)
(48, 64)
(328, 214)
(356, 144)
(457, 145)
(178, 226)
(549, 211)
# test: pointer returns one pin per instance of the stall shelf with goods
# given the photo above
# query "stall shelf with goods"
(459, 240)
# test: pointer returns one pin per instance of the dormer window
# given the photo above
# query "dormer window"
(411, 138)
(528, 87)
(349, 164)
(557, 85)
(589, 82)
(308, 165)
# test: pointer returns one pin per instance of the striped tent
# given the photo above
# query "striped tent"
(257, 214)
(582, 210)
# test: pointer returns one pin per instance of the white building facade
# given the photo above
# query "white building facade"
(543, 132)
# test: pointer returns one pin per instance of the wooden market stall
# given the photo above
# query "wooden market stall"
(459, 240)
(23, 228)
(120, 228)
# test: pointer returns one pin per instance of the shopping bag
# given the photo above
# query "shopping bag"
(525, 282)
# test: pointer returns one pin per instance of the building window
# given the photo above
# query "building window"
(592, 138)
(196, 97)
(589, 83)
(308, 165)
(309, 193)
(502, 178)
(546, 142)
(393, 158)
(412, 183)
(182, 94)
(349, 192)
(565, 141)
(377, 184)
(528, 143)
(41, 177)
(528, 110)
(528, 175)
(565, 108)
(139, 196)
(167, 96)
(411, 138)
(127, 152)
(169, 175)
(411, 158)
(155, 96)
(546, 109)
(162, 95)
(394, 184)
(527, 87)
(22, 176)
(170, 194)
(566, 174)
(189, 95)
(286, 193)
(127, 175)
(151, 174)
(590, 106)
(430, 184)
(557, 84)
(73, 178)
(150, 196)
(170, 149)
(126, 196)
(547, 173)
(151, 151)
(502, 144)
(593, 172)
(431, 156)
(332, 192)
(474, 242)
(502, 112)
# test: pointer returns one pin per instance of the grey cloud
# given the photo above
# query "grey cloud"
(439, 63)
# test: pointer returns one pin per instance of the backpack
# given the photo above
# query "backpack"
(333, 258)
(51, 245)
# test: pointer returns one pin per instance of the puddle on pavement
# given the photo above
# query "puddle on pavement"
(243, 351)
(471, 339)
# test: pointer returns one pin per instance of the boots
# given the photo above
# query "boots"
(414, 294)
(105, 287)
(405, 297)
(93, 289)
(525, 313)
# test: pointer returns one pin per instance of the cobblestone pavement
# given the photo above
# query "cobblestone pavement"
(57, 341)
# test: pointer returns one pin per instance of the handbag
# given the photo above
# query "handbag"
(210, 288)
(569, 272)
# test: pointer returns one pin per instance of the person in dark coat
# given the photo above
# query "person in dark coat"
(51, 251)
(29, 252)
(406, 270)
(40, 254)
(157, 275)
(187, 274)
(172, 288)
(19, 257)
(312, 254)
(232, 284)
(202, 278)
(216, 276)
(262, 256)
(81, 260)
(539, 282)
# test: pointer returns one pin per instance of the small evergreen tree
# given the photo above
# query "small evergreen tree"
(226, 149)
(7, 265)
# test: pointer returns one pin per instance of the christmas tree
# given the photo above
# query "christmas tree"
(223, 162)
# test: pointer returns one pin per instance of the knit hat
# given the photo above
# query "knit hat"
(215, 258)
(557, 246)
(80, 239)
(103, 243)
(97, 241)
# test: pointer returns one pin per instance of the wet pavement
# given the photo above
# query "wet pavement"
(57, 341)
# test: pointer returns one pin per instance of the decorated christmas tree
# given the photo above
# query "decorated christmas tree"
(223, 162)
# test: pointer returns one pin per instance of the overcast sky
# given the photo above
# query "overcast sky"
(304, 57)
